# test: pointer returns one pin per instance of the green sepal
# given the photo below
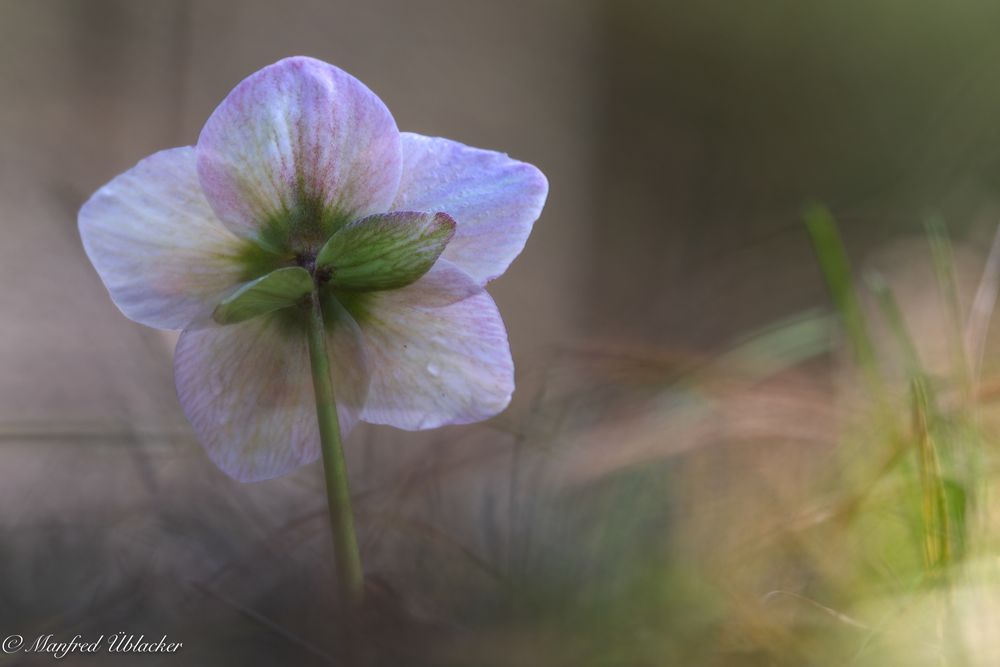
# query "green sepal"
(279, 289)
(385, 251)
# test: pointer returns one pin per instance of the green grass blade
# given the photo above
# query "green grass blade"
(839, 281)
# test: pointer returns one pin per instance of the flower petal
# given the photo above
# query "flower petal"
(386, 251)
(299, 143)
(247, 390)
(495, 200)
(434, 364)
(154, 240)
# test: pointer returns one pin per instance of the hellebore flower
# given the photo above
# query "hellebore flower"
(301, 196)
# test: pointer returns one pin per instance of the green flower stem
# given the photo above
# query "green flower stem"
(350, 577)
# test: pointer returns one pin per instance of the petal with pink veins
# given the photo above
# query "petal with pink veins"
(494, 200)
(299, 143)
(247, 390)
(437, 351)
(154, 240)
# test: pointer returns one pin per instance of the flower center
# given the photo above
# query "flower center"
(307, 260)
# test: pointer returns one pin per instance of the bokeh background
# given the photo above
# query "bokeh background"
(696, 468)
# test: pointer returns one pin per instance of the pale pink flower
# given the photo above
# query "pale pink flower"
(298, 152)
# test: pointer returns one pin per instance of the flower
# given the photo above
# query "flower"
(301, 181)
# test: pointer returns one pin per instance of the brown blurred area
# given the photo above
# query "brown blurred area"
(680, 141)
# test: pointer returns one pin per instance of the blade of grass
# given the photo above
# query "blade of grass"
(782, 345)
(944, 499)
(837, 272)
(936, 533)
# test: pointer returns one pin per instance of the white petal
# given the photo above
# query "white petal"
(494, 200)
(437, 351)
(247, 390)
(296, 140)
(154, 240)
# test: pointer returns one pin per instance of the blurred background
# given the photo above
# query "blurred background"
(708, 460)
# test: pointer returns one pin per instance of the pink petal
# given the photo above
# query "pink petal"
(437, 351)
(298, 138)
(495, 200)
(247, 390)
(154, 240)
